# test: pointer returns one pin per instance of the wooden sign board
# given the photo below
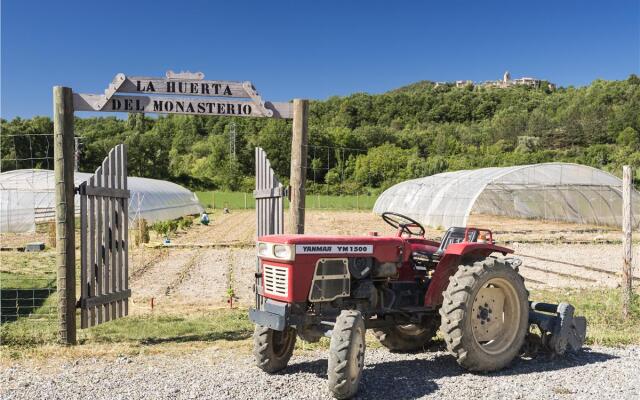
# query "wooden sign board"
(183, 93)
(183, 105)
(189, 87)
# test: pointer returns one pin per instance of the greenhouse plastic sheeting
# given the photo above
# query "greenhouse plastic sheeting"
(550, 191)
(28, 198)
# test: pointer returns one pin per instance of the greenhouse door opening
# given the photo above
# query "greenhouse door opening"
(104, 245)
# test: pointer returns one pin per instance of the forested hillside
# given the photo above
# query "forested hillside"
(364, 143)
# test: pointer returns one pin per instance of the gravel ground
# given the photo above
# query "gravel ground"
(229, 374)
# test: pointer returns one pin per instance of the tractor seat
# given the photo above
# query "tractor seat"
(419, 245)
(455, 234)
(422, 252)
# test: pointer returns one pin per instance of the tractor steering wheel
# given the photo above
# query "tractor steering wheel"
(403, 223)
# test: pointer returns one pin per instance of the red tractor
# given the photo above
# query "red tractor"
(404, 288)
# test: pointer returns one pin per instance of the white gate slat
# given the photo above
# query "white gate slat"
(106, 240)
(84, 282)
(92, 252)
(117, 184)
(100, 250)
(125, 218)
(114, 231)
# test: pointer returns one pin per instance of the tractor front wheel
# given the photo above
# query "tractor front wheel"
(485, 315)
(406, 337)
(346, 354)
(272, 348)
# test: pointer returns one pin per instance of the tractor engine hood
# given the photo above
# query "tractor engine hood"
(292, 247)
(289, 262)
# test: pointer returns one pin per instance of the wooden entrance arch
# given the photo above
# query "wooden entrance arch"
(175, 93)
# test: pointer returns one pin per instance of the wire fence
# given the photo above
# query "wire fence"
(28, 299)
(219, 200)
(327, 186)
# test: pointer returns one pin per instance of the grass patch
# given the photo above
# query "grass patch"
(240, 200)
(19, 270)
(39, 327)
(602, 308)
(207, 326)
(149, 329)
(27, 285)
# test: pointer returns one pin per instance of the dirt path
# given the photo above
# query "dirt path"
(159, 279)
(236, 227)
(578, 265)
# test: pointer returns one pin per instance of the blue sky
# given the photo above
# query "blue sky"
(309, 49)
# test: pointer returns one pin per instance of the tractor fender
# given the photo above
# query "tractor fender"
(456, 254)
(465, 248)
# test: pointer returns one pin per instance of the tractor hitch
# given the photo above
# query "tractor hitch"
(560, 330)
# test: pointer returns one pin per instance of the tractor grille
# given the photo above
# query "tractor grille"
(276, 280)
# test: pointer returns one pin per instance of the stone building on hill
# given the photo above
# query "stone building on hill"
(507, 81)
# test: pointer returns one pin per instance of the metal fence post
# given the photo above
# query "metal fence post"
(627, 178)
(64, 160)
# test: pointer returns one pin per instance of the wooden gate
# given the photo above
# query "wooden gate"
(104, 211)
(269, 195)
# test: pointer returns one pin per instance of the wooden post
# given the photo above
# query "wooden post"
(627, 217)
(64, 160)
(298, 165)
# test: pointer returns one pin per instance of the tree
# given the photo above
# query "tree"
(629, 137)
(364, 142)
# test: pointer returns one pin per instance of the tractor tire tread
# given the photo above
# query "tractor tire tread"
(456, 298)
(340, 381)
(266, 360)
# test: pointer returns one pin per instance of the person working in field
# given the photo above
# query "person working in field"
(204, 218)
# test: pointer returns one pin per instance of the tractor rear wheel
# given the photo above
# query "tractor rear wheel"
(406, 337)
(346, 354)
(485, 315)
(272, 348)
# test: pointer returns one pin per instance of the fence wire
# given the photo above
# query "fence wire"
(327, 185)
(27, 261)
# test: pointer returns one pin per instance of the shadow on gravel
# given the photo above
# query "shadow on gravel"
(209, 337)
(415, 378)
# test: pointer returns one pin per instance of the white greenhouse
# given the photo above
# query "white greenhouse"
(551, 191)
(27, 197)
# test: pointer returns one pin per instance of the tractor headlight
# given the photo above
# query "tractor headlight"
(283, 251)
(276, 251)
(263, 249)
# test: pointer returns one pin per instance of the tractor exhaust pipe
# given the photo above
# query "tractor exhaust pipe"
(560, 330)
